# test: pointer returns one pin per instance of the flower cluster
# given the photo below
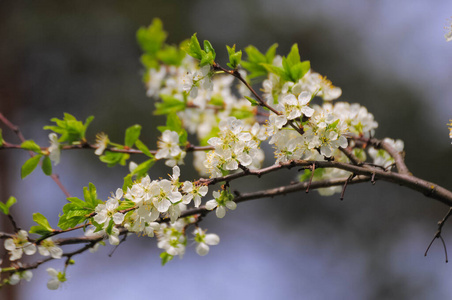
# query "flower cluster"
(236, 144)
(150, 199)
(172, 238)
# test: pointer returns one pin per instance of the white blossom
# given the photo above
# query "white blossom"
(204, 241)
(48, 247)
(222, 201)
(54, 149)
(18, 245)
(56, 278)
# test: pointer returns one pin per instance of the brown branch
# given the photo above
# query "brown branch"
(188, 148)
(379, 144)
(259, 99)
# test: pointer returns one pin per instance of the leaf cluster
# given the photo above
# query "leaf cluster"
(70, 129)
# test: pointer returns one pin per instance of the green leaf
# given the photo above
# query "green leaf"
(109, 227)
(4, 207)
(171, 55)
(318, 174)
(43, 227)
(76, 211)
(208, 48)
(87, 122)
(276, 70)
(168, 105)
(41, 220)
(193, 48)
(90, 195)
(47, 165)
(127, 182)
(114, 158)
(173, 122)
(30, 165)
(252, 101)
(65, 223)
(142, 168)
(206, 59)
(165, 257)
(126, 204)
(70, 129)
(1, 138)
(213, 133)
(255, 61)
(299, 70)
(294, 56)
(241, 113)
(143, 148)
(271, 53)
(31, 145)
(132, 134)
(234, 57)
(152, 38)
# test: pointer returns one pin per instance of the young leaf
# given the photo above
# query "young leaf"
(252, 101)
(43, 227)
(208, 48)
(294, 56)
(165, 257)
(168, 105)
(47, 165)
(4, 207)
(142, 168)
(31, 145)
(173, 122)
(234, 57)
(193, 48)
(143, 148)
(41, 220)
(127, 182)
(255, 61)
(132, 134)
(29, 165)
(1, 138)
(114, 158)
(152, 38)
(90, 195)
(70, 129)
(76, 211)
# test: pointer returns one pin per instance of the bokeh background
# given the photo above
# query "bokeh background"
(81, 57)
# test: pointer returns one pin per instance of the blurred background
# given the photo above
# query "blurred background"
(81, 57)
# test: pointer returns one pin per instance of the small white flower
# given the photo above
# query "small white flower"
(16, 277)
(168, 145)
(193, 192)
(49, 248)
(56, 278)
(448, 34)
(54, 148)
(104, 212)
(293, 107)
(19, 245)
(204, 241)
(101, 143)
(222, 201)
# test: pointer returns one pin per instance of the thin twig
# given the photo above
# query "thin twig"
(438, 234)
(310, 178)
(22, 139)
